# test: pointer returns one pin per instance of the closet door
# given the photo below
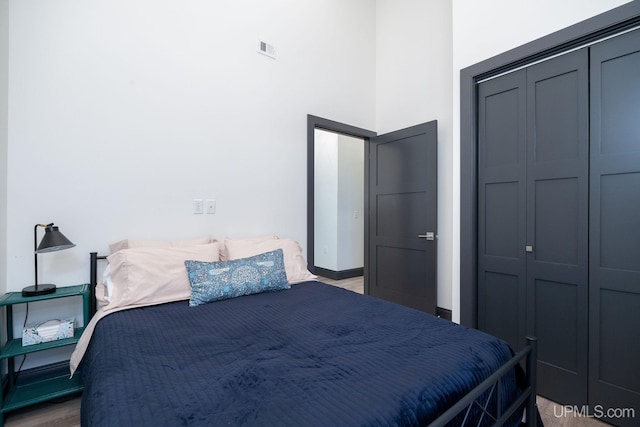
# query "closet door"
(614, 323)
(502, 207)
(557, 223)
(533, 157)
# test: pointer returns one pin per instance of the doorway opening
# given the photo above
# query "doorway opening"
(339, 205)
(336, 198)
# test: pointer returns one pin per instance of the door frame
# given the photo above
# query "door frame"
(313, 123)
(583, 33)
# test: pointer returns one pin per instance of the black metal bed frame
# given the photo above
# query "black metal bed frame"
(492, 385)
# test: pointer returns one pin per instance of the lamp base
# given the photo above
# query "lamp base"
(32, 291)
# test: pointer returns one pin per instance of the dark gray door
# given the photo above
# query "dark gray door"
(533, 217)
(403, 217)
(502, 207)
(557, 223)
(614, 341)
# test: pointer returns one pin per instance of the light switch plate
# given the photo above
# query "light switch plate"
(197, 206)
(210, 206)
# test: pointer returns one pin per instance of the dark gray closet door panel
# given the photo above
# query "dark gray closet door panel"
(501, 207)
(557, 219)
(618, 97)
(557, 138)
(556, 311)
(502, 126)
(614, 321)
(618, 349)
(557, 223)
(502, 211)
(500, 292)
(620, 221)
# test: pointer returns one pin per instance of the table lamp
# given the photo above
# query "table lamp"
(52, 241)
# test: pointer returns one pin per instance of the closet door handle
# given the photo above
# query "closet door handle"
(430, 235)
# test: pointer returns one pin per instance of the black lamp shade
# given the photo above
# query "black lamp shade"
(53, 240)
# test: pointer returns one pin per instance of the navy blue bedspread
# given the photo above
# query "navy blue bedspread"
(312, 355)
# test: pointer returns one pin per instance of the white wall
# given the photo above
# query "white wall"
(485, 29)
(414, 85)
(121, 112)
(4, 113)
(325, 243)
(350, 203)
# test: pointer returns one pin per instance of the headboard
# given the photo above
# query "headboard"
(93, 280)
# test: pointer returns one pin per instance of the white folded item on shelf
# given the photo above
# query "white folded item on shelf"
(51, 330)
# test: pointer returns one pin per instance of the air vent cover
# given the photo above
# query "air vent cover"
(267, 49)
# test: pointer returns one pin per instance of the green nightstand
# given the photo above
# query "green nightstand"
(45, 385)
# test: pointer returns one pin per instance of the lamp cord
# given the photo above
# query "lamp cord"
(24, 324)
(26, 316)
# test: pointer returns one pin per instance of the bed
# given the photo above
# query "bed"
(310, 354)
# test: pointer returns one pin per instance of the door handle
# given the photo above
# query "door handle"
(429, 235)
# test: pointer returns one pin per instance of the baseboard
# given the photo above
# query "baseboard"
(339, 275)
(443, 312)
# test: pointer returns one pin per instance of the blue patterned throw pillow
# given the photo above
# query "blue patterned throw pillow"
(213, 281)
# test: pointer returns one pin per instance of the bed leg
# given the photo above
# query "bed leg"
(532, 362)
(93, 281)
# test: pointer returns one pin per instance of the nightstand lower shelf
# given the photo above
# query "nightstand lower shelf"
(42, 383)
(40, 390)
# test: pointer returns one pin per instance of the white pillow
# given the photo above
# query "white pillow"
(294, 263)
(224, 255)
(104, 289)
(147, 276)
(132, 243)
